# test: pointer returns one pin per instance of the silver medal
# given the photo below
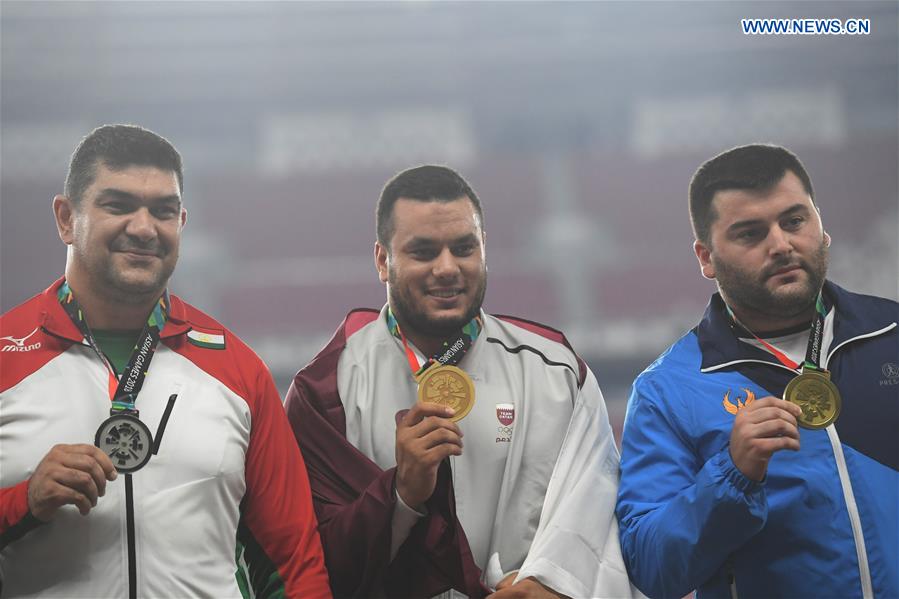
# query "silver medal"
(126, 440)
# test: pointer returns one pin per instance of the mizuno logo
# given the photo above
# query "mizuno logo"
(19, 344)
(741, 403)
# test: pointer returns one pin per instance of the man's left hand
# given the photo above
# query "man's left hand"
(524, 589)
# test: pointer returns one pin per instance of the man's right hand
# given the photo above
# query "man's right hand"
(425, 436)
(69, 474)
(763, 427)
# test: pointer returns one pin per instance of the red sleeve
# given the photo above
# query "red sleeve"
(15, 519)
(277, 507)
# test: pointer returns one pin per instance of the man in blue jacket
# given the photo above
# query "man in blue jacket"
(760, 451)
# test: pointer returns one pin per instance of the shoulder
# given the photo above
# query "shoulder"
(28, 313)
(25, 347)
(205, 332)
(216, 350)
(677, 367)
(868, 310)
(353, 337)
(362, 332)
(519, 335)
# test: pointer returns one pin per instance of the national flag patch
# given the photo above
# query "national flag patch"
(505, 413)
(207, 339)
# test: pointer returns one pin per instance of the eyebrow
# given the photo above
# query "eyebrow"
(427, 241)
(118, 194)
(742, 224)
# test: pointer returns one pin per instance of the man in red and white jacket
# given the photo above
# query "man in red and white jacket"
(145, 451)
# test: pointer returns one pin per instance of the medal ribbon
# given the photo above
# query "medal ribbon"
(122, 390)
(454, 350)
(813, 352)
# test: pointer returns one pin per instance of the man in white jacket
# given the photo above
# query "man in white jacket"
(503, 475)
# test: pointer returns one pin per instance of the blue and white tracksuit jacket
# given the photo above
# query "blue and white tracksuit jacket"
(824, 521)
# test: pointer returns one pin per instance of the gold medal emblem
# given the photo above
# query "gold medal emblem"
(818, 397)
(448, 386)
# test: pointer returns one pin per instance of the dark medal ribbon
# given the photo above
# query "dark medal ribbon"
(122, 436)
(439, 379)
(812, 390)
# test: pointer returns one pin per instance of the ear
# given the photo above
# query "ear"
(826, 239)
(183, 217)
(704, 256)
(64, 212)
(381, 259)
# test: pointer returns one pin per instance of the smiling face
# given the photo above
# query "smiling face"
(768, 252)
(435, 268)
(124, 233)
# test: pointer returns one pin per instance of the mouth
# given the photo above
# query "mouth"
(445, 294)
(785, 270)
(139, 254)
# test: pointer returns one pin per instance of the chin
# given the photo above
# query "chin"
(446, 320)
(138, 286)
(446, 324)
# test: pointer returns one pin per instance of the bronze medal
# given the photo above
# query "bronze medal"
(818, 397)
(448, 386)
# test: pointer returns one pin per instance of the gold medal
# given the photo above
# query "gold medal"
(818, 397)
(448, 386)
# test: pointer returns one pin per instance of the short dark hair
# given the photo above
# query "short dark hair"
(755, 167)
(118, 147)
(427, 183)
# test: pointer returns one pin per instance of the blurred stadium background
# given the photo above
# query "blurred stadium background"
(579, 124)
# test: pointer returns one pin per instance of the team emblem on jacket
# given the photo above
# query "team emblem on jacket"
(889, 370)
(741, 402)
(207, 339)
(18, 344)
(505, 413)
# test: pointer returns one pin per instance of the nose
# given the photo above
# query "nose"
(779, 241)
(141, 225)
(445, 266)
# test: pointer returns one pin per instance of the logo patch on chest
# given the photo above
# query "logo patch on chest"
(742, 402)
(505, 413)
(18, 343)
(891, 371)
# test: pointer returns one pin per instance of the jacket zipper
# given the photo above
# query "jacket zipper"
(129, 523)
(864, 572)
(731, 580)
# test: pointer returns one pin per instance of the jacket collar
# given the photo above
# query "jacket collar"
(856, 316)
(56, 322)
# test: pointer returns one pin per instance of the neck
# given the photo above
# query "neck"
(426, 344)
(102, 312)
(761, 323)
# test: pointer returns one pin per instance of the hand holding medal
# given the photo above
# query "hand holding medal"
(762, 428)
(59, 480)
(428, 433)
(425, 436)
(812, 390)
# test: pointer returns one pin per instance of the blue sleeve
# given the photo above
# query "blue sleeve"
(680, 518)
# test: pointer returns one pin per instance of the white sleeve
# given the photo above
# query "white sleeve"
(576, 550)
(404, 518)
